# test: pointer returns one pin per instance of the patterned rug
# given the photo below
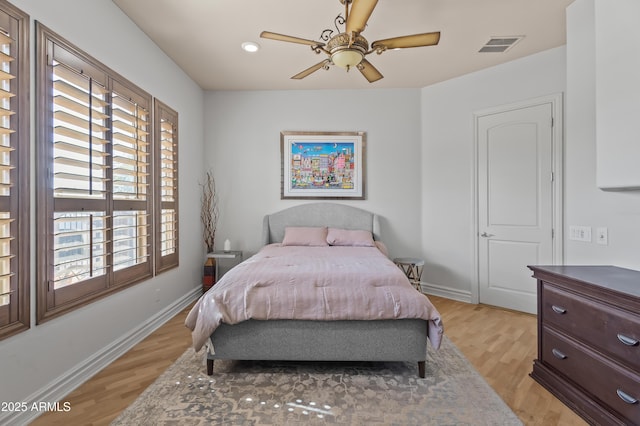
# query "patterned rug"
(320, 393)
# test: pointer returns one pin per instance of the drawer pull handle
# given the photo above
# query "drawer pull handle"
(629, 341)
(558, 354)
(558, 310)
(626, 397)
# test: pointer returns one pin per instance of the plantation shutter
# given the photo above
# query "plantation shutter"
(167, 185)
(81, 161)
(14, 161)
(131, 142)
(7, 216)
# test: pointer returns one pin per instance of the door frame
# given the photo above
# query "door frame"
(557, 166)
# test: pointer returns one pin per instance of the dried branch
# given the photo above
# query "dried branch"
(209, 211)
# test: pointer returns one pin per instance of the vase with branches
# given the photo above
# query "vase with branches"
(209, 211)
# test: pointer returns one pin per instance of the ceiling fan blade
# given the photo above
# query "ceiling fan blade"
(290, 39)
(310, 70)
(369, 71)
(359, 15)
(416, 40)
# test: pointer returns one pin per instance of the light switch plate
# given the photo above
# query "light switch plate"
(602, 236)
(580, 233)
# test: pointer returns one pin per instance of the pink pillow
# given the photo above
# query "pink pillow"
(346, 237)
(305, 236)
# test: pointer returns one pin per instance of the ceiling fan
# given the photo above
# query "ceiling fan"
(349, 48)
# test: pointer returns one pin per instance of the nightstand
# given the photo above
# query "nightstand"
(233, 256)
(412, 268)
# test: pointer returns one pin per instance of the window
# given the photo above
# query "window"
(166, 149)
(14, 170)
(95, 170)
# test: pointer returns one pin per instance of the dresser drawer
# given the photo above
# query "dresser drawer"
(614, 331)
(606, 381)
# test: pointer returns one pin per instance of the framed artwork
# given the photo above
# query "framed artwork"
(328, 165)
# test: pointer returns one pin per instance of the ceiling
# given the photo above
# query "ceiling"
(204, 37)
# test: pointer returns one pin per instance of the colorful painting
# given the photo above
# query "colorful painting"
(322, 164)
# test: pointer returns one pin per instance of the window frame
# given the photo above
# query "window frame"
(17, 313)
(52, 302)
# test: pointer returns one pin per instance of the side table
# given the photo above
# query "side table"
(412, 268)
(218, 256)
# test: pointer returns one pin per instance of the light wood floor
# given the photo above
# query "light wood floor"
(500, 344)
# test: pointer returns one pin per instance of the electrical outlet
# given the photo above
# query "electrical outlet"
(580, 233)
(602, 236)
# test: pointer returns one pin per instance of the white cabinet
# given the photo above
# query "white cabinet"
(617, 38)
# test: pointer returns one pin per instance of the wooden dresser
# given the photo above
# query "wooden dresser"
(589, 340)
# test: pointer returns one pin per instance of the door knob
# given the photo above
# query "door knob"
(485, 235)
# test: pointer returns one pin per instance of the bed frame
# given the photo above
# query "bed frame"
(293, 340)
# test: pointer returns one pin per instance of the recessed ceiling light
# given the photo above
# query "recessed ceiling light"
(250, 46)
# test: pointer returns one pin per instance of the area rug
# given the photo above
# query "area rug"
(320, 393)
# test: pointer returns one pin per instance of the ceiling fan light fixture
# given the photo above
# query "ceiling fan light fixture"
(347, 58)
(347, 51)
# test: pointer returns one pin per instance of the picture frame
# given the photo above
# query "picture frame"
(322, 165)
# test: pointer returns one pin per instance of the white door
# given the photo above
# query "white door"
(515, 204)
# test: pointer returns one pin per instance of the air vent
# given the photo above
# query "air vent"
(500, 44)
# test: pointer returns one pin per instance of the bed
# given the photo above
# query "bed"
(379, 316)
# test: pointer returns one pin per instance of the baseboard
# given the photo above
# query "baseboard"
(69, 381)
(449, 293)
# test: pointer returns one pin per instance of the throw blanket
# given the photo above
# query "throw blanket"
(312, 283)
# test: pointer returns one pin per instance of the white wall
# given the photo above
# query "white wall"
(242, 134)
(586, 205)
(447, 157)
(35, 359)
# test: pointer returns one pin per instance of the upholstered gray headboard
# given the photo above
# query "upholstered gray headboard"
(318, 214)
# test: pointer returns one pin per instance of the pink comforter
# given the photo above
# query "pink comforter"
(312, 283)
